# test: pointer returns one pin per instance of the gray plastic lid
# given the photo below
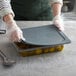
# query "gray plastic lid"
(45, 36)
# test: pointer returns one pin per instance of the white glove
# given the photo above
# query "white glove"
(58, 22)
(14, 33)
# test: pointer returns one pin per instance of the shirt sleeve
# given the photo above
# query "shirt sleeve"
(5, 8)
(56, 1)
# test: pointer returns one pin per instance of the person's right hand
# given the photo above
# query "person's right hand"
(14, 33)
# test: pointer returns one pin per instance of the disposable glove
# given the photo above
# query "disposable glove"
(14, 33)
(58, 22)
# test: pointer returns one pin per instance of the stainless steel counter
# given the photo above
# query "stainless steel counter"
(53, 64)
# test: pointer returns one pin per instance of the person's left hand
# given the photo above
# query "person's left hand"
(58, 22)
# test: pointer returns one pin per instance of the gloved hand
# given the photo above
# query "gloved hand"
(14, 33)
(58, 22)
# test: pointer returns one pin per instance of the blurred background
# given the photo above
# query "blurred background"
(68, 10)
(68, 5)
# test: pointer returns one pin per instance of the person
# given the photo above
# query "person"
(14, 33)
(29, 10)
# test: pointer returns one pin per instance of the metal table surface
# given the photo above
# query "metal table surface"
(52, 64)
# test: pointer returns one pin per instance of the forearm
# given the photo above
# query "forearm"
(8, 19)
(6, 12)
(5, 9)
(56, 8)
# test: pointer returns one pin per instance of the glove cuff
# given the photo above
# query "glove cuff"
(11, 24)
(57, 17)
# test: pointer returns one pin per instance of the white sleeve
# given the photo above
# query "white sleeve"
(56, 1)
(5, 8)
